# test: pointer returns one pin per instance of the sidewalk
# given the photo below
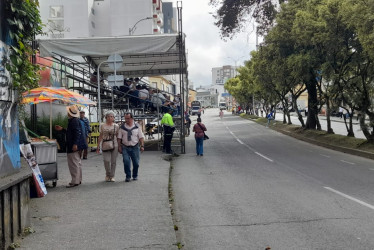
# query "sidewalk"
(105, 215)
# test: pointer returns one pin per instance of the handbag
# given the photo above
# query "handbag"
(205, 136)
(108, 145)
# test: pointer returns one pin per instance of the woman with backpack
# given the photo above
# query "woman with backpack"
(199, 129)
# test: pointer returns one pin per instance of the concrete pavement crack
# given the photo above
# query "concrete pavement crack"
(275, 222)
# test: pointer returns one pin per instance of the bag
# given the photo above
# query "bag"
(108, 145)
(205, 136)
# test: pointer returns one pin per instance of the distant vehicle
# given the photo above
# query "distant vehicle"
(222, 106)
(195, 108)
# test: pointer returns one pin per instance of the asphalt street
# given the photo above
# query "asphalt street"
(256, 188)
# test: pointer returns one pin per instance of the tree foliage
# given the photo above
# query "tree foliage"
(233, 15)
(324, 46)
(24, 24)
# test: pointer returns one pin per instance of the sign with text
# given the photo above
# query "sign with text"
(94, 136)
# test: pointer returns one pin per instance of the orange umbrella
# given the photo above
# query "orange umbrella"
(50, 94)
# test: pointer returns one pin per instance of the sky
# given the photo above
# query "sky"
(205, 48)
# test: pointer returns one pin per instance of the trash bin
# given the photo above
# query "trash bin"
(46, 157)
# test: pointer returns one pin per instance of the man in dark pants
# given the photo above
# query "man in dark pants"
(168, 126)
(87, 133)
(75, 141)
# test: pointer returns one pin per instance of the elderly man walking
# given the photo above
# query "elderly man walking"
(130, 144)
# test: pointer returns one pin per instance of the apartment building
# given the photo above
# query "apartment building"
(101, 18)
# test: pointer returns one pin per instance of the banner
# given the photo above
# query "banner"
(94, 136)
(29, 156)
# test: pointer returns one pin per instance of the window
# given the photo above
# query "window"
(56, 25)
(56, 11)
(154, 85)
(93, 24)
(93, 11)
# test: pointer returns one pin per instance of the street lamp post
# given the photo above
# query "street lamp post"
(132, 30)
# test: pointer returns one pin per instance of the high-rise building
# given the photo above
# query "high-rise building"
(170, 18)
(100, 18)
(221, 74)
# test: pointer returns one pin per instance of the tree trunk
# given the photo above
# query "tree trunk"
(350, 132)
(311, 121)
(328, 116)
(289, 118)
(299, 115)
(365, 130)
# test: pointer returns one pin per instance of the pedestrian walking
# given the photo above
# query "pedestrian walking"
(168, 128)
(108, 144)
(221, 114)
(131, 143)
(87, 131)
(75, 141)
(199, 129)
(340, 112)
(188, 123)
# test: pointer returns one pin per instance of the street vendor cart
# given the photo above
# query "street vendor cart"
(46, 156)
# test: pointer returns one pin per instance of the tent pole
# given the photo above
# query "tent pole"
(50, 119)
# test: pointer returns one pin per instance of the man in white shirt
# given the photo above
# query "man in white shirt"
(130, 144)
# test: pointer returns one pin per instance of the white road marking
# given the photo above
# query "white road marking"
(240, 141)
(351, 198)
(263, 156)
(348, 162)
(327, 156)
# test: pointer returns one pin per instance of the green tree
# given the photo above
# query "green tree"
(233, 15)
(24, 24)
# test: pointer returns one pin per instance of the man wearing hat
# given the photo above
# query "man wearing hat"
(74, 142)
(87, 132)
(168, 126)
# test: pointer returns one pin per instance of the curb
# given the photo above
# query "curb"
(351, 151)
(326, 145)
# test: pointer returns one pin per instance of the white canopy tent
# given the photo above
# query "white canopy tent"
(145, 55)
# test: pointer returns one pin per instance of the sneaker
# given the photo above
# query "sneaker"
(107, 178)
(112, 179)
(127, 180)
(135, 178)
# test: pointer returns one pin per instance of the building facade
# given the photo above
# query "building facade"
(221, 74)
(101, 18)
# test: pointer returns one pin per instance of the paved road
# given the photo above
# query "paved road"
(255, 188)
